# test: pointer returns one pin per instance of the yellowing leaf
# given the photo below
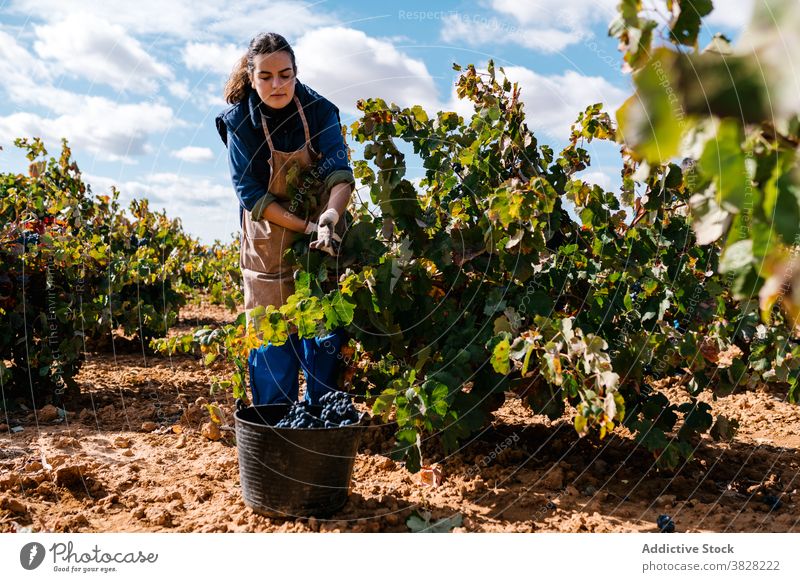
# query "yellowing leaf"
(580, 425)
(500, 355)
(217, 416)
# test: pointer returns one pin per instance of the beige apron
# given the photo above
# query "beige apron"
(267, 280)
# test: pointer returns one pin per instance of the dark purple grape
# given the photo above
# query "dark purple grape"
(665, 524)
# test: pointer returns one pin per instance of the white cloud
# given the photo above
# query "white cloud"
(179, 89)
(557, 12)
(19, 70)
(206, 98)
(552, 25)
(112, 131)
(167, 188)
(212, 57)
(206, 209)
(479, 32)
(287, 17)
(543, 25)
(361, 66)
(553, 102)
(732, 14)
(598, 178)
(187, 19)
(210, 99)
(193, 154)
(87, 46)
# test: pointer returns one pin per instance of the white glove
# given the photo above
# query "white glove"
(311, 227)
(327, 240)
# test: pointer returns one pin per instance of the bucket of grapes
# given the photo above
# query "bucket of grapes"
(297, 459)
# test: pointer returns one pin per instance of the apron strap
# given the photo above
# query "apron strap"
(302, 118)
(266, 133)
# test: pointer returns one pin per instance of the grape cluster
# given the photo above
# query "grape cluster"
(665, 524)
(635, 289)
(338, 408)
(337, 411)
(299, 417)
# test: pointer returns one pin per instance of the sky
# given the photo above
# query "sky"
(135, 86)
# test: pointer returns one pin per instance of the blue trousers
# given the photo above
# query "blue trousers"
(274, 370)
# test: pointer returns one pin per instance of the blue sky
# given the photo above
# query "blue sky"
(135, 86)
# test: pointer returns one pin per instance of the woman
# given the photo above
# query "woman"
(276, 122)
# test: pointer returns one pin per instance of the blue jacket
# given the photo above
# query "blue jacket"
(239, 126)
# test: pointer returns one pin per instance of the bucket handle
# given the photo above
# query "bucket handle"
(240, 405)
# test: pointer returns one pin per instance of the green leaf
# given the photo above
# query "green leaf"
(304, 312)
(272, 326)
(419, 113)
(782, 205)
(440, 407)
(686, 27)
(384, 401)
(723, 161)
(724, 428)
(696, 419)
(526, 362)
(420, 522)
(649, 120)
(424, 356)
(441, 391)
(505, 206)
(338, 311)
(737, 257)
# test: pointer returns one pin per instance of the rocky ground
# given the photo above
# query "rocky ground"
(137, 452)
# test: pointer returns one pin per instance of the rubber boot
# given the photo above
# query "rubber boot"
(274, 372)
(321, 363)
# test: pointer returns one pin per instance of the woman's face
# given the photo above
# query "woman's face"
(273, 78)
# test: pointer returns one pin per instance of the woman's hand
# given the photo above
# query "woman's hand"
(327, 239)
